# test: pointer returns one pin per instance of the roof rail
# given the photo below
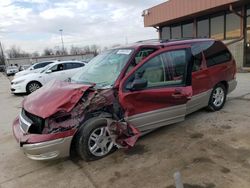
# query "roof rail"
(180, 39)
(149, 40)
(169, 40)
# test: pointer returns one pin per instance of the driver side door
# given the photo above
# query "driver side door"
(156, 91)
(57, 72)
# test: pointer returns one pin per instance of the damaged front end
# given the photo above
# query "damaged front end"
(52, 116)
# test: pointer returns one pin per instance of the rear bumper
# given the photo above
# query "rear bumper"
(232, 85)
(47, 149)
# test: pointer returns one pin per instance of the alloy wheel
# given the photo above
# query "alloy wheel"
(100, 142)
(218, 96)
(33, 87)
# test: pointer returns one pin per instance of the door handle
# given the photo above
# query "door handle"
(178, 93)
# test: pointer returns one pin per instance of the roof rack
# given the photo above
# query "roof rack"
(149, 40)
(169, 40)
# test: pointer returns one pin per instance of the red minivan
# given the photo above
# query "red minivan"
(122, 94)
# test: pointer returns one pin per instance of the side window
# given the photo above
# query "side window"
(41, 65)
(73, 65)
(153, 72)
(175, 66)
(216, 53)
(165, 69)
(37, 66)
(58, 67)
(45, 64)
(142, 54)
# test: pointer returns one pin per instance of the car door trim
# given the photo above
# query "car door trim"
(158, 118)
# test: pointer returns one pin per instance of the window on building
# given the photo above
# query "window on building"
(216, 53)
(248, 16)
(217, 27)
(232, 26)
(165, 33)
(176, 32)
(187, 30)
(203, 28)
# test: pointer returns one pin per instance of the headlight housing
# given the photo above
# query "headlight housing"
(18, 82)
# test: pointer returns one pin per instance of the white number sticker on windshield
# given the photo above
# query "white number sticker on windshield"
(125, 52)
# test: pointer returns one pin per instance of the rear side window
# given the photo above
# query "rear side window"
(216, 53)
(73, 65)
(41, 65)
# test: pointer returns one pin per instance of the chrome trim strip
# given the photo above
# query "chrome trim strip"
(24, 121)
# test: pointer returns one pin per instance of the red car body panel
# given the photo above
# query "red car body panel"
(200, 79)
(152, 99)
(137, 102)
(62, 96)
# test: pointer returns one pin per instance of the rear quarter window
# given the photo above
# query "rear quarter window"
(216, 53)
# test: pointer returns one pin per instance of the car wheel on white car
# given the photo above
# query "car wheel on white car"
(33, 86)
(93, 141)
(217, 98)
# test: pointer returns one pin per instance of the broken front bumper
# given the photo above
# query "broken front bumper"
(43, 146)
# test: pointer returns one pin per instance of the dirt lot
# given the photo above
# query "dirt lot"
(211, 150)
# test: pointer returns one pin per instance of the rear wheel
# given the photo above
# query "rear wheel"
(93, 140)
(217, 98)
(33, 86)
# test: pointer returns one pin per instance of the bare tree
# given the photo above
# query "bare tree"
(92, 49)
(16, 52)
(48, 52)
(76, 50)
(95, 49)
(35, 54)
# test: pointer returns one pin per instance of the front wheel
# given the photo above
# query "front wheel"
(93, 140)
(217, 98)
(33, 86)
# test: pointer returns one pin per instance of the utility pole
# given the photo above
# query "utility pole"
(61, 31)
(2, 59)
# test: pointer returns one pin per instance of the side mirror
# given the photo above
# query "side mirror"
(137, 84)
(48, 71)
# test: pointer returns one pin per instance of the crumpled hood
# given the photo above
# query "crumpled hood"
(54, 97)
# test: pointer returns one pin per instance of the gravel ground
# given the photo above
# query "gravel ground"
(211, 150)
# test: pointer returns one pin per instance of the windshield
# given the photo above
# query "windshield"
(104, 69)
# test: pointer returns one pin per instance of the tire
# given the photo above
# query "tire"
(33, 86)
(217, 98)
(93, 141)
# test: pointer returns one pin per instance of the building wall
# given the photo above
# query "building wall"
(175, 9)
(27, 61)
(237, 50)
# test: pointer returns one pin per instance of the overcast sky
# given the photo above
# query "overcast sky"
(34, 24)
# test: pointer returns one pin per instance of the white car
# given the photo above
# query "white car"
(11, 70)
(33, 81)
(37, 67)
